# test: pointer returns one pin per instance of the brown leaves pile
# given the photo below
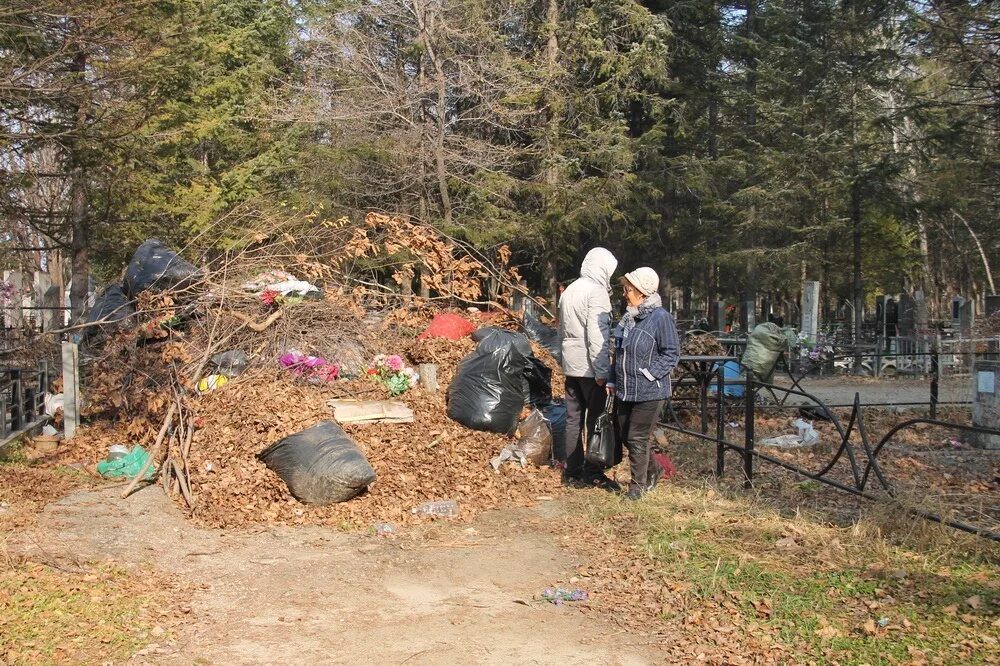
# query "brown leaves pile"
(431, 459)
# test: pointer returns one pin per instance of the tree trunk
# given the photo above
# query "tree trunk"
(552, 282)
(78, 222)
(982, 252)
(857, 292)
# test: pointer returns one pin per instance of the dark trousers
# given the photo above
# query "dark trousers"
(635, 427)
(584, 400)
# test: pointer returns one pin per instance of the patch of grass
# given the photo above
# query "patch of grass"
(50, 615)
(824, 593)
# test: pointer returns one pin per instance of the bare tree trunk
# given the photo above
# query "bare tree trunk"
(982, 252)
(78, 222)
(425, 24)
(858, 293)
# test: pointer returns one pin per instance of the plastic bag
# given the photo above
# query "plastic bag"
(231, 363)
(113, 308)
(448, 325)
(765, 345)
(155, 267)
(489, 389)
(126, 467)
(602, 443)
(807, 433)
(546, 336)
(320, 465)
(535, 440)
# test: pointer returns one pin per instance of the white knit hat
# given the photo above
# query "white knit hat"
(645, 280)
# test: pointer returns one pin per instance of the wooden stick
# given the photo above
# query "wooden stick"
(155, 452)
(183, 483)
(258, 327)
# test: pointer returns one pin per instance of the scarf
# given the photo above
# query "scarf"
(632, 313)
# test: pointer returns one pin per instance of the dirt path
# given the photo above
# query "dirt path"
(447, 594)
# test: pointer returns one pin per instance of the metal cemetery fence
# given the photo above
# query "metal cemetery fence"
(705, 373)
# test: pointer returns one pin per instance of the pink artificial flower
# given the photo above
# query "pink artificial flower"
(268, 297)
(395, 363)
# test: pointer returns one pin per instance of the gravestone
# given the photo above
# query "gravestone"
(967, 318)
(956, 308)
(907, 315)
(992, 304)
(986, 405)
(47, 298)
(810, 309)
(717, 316)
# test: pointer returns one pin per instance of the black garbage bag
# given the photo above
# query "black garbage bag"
(155, 267)
(539, 378)
(495, 381)
(231, 363)
(113, 308)
(546, 336)
(320, 465)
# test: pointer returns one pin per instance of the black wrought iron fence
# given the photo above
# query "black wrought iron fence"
(863, 458)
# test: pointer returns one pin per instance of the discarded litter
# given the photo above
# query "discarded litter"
(117, 452)
(384, 529)
(559, 595)
(315, 369)
(232, 363)
(807, 433)
(510, 452)
(370, 411)
(784, 442)
(126, 467)
(212, 382)
(444, 508)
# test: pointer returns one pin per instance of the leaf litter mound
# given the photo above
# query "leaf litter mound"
(139, 376)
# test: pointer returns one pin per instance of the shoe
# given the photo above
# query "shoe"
(634, 495)
(655, 477)
(604, 482)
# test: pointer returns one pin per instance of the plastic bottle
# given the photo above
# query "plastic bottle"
(447, 508)
(117, 452)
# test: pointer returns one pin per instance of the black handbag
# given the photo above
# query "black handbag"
(602, 444)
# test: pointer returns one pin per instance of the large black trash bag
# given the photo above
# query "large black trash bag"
(489, 389)
(495, 381)
(113, 308)
(155, 267)
(320, 465)
(546, 336)
(539, 378)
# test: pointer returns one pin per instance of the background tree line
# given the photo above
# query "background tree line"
(738, 147)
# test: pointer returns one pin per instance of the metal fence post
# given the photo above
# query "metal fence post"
(720, 425)
(935, 380)
(748, 429)
(17, 400)
(4, 431)
(877, 369)
(71, 388)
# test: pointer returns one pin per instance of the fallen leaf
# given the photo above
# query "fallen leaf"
(869, 627)
(974, 602)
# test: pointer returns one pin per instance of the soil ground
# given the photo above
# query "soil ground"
(444, 593)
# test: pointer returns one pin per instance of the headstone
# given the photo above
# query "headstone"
(956, 308)
(47, 298)
(907, 312)
(717, 316)
(967, 318)
(428, 376)
(810, 309)
(986, 405)
(992, 304)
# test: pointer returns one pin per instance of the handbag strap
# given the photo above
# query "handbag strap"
(609, 404)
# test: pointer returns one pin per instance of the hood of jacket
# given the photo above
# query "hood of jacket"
(599, 265)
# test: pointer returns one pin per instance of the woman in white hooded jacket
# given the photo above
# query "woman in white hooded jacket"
(584, 328)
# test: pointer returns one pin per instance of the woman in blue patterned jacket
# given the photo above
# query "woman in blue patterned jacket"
(646, 349)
